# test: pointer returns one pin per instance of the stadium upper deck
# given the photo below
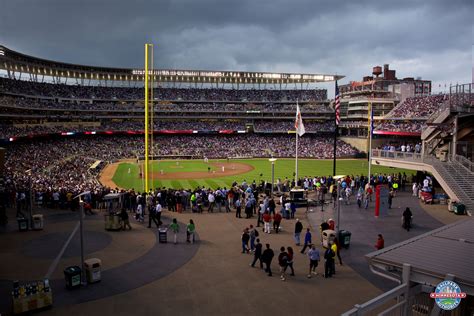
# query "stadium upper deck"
(16, 64)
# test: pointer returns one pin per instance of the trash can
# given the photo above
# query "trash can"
(22, 224)
(162, 235)
(38, 222)
(92, 267)
(345, 238)
(459, 209)
(73, 277)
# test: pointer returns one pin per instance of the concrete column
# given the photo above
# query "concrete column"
(455, 137)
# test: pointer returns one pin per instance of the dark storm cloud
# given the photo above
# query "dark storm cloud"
(430, 39)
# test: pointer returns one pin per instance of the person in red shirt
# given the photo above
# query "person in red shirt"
(380, 242)
(266, 221)
(276, 221)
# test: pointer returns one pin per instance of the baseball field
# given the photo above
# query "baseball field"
(189, 174)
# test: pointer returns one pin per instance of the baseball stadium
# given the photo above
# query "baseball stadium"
(171, 147)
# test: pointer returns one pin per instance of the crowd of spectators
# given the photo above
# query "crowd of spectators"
(288, 125)
(160, 93)
(10, 102)
(401, 126)
(8, 131)
(57, 164)
(401, 146)
(418, 107)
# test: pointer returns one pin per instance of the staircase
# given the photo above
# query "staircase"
(458, 178)
(454, 176)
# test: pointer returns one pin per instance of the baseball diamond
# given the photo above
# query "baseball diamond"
(194, 173)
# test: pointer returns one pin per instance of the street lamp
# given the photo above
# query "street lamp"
(81, 230)
(272, 160)
(30, 208)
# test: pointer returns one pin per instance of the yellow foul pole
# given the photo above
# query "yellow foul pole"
(152, 109)
(146, 118)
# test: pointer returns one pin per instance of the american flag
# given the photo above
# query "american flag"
(337, 104)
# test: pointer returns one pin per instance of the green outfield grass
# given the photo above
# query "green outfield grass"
(283, 168)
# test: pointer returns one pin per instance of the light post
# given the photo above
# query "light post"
(338, 180)
(81, 231)
(30, 208)
(338, 206)
(272, 160)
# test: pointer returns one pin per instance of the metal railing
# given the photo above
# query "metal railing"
(466, 163)
(461, 97)
(399, 155)
(401, 294)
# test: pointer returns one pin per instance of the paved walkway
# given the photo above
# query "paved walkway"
(365, 227)
(214, 277)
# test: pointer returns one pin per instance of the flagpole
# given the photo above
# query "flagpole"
(296, 162)
(334, 153)
(336, 127)
(296, 156)
(369, 153)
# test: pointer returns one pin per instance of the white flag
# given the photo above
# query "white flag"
(299, 122)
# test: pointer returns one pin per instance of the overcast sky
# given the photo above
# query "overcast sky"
(429, 39)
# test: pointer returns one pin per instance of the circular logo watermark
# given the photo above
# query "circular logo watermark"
(448, 295)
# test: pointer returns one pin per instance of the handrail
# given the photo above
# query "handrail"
(400, 155)
(466, 163)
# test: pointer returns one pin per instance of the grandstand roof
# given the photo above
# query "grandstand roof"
(433, 255)
(14, 62)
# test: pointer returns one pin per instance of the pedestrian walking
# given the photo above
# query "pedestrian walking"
(212, 201)
(152, 217)
(307, 240)
(174, 227)
(190, 230)
(158, 210)
(298, 230)
(334, 249)
(360, 195)
(290, 260)
(245, 240)
(125, 219)
(407, 215)
(390, 198)
(337, 248)
(314, 258)
(292, 209)
(276, 222)
(257, 255)
(267, 257)
(380, 242)
(253, 235)
(283, 262)
(328, 261)
(267, 222)
(238, 207)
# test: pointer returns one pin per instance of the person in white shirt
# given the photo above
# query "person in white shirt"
(158, 210)
(139, 213)
(415, 189)
(211, 198)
